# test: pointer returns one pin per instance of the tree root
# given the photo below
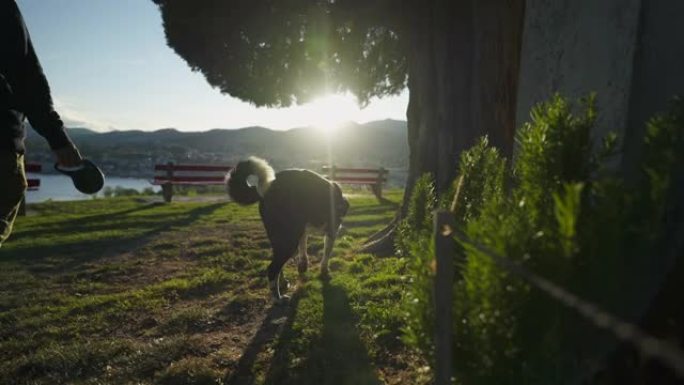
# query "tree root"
(382, 243)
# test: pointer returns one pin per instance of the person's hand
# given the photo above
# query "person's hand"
(68, 156)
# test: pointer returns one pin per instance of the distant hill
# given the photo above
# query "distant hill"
(133, 153)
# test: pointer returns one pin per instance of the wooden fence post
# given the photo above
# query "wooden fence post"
(167, 188)
(444, 277)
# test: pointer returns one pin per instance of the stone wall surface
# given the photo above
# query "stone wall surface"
(630, 52)
(658, 73)
(576, 47)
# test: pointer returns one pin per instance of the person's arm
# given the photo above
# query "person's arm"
(30, 86)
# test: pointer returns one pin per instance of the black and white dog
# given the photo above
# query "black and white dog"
(290, 202)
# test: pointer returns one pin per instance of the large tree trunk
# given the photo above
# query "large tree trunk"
(463, 59)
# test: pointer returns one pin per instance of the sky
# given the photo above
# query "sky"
(109, 68)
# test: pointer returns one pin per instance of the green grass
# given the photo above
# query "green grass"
(123, 290)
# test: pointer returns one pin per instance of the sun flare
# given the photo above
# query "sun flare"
(332, 111)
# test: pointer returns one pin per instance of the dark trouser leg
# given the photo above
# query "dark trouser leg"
(13, 181)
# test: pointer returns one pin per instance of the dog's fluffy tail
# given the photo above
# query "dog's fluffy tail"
(238, 188)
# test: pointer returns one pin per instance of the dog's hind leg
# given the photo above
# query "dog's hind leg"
(303, 260)
(274, 273)
(328, 246)
(284, 248)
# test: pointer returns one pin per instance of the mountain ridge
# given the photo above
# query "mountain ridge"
(134, 152)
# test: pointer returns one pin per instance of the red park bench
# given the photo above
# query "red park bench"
(188, 174)
(373, 177)
(33, 183)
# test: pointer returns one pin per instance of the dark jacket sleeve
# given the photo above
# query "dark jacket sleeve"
(26, 78)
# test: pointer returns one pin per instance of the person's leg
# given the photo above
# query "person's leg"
(13, 181)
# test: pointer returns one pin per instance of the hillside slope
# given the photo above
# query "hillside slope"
(132, 153)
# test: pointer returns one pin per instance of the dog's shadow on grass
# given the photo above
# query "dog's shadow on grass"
(244, 373)
(337, 357)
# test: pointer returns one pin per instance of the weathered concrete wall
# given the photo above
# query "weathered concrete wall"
(576, 47)
(658, 72)
(630, 52)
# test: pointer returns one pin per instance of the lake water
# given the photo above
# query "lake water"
(60, 187)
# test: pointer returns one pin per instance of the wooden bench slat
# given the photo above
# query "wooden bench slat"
(170, 176)
(356, 170)
(187, 183)
(348, 175)
(33, 184)
(189, 180)
(358, 180)
(192, 167)
(341, 176)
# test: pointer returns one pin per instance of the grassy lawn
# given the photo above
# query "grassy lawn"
(126, 291)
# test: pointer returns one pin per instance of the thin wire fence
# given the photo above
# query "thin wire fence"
(446, 230)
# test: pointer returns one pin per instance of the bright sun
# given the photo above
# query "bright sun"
(332, 111)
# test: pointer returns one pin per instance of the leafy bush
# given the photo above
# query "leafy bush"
(418, 220)
(481, 180)
(414, 239)
(561, 213)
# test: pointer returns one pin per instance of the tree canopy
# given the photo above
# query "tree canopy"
(459, 58)
(280, 52)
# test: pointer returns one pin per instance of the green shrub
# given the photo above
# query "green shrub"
(562, 213)
(482, 172)
(418, 220)
(414, 239)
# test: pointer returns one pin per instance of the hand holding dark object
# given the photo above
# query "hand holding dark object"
(68, 157)
(87, 177)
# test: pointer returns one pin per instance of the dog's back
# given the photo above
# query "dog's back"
(303, 197)
(289, 201)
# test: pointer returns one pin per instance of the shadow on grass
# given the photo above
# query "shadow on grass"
(386, 202)
(373, 210)
(352, 223)
(67, 255)
(85, 222)
(245, 372)
(338, 357)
